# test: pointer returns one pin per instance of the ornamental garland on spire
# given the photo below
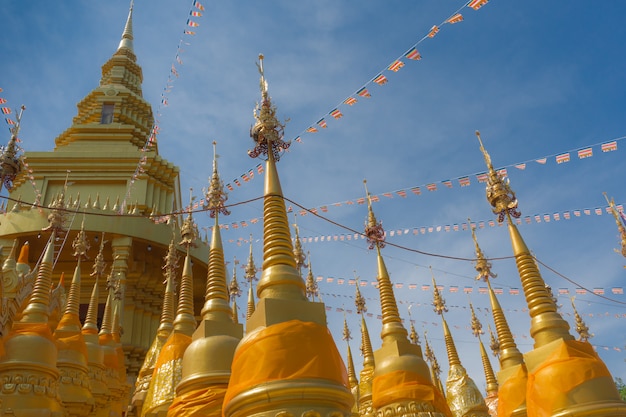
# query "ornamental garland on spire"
(581, 328)
(312, 289)
(477, 326)
(233, 288)
(80, 243)
(439, 303)
(619, 220)
(494, 343)
(346, 335)
(374, 232)
(267, 132)
(359, 300)
(499, 193)
(215, 197)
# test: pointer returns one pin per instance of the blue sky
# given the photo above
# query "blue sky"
(538, 79)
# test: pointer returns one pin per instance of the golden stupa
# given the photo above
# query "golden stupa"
(167, 350)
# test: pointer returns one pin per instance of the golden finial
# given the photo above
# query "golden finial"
(619, 220)
(312, 290)
(58, 215)
(189, 229)
(439, 303)
(234, 290)
(215, 197)
(346, 331)
(434, 364)
(167, 314)
(11, 163)
(127, 35)
(267, 131)
(298, 252)
(366, 345)
(494, 343)
(477, 327)
(98, 264)
(80, 243)
(415, 338)
(374, 232)
(482, 265)
(171, 262)
(581, 328)
(359, 300)
(250, 269)
(499, 193)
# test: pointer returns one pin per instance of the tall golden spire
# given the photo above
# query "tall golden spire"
(353, 381)
(127, 35)
(462, 394)
(546, 324)
(72, 356)
(509, 353)
(492, 384)
(207, 361)
(95, 352)
(37, 309)
(283, 315)
(587, 388)
(365, 406)
(397, 358)
(166, 325)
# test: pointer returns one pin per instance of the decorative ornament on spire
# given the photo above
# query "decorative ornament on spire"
(439, 303)
(346, 335)
(189, 229)
(374, 232)
(233, 288)
(11, 163)
(581, 328)
(430, 356)
(477, 327)
(98, 264)
(250, 269)
(215, 197)
(171, 262)
(415, 338)
(80, 243)
(494, 343)
(499, 193)
(267, 132)
(58, 214)
(312, 290)
(621, 225)
(298, 252)
(482, 265)
(359, 300)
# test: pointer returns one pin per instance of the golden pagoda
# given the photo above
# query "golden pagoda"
(302, 371)
(111, 153)
(565, 377)
(462, 394)
(401, 383)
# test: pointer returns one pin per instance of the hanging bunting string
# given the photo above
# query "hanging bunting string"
(411, 54)
(195, 11)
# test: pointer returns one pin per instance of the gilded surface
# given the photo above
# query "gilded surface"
(165, 381)
(463, 395)
(408, 409)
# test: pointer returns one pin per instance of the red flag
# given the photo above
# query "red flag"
(455, 19)
(395, 65)
(477, 4)
(433, 31)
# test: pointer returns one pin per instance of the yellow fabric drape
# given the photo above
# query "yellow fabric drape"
(405, 385)
(39, 329)
(70, 340)
(512, 393)
(167, 372)
(290, 350)
(203, 402)
(568, 366)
